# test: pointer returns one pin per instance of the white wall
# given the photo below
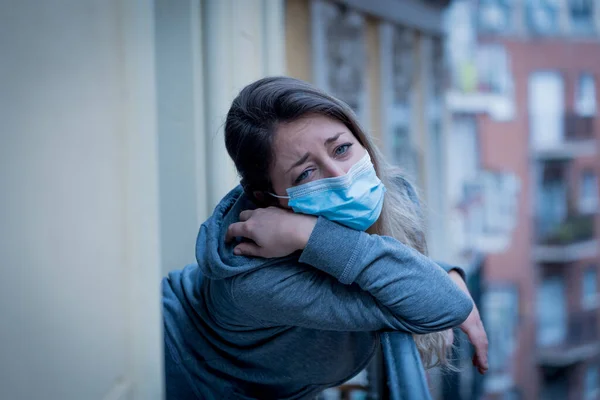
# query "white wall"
(181, 133)
(206, 52)
(79, 290)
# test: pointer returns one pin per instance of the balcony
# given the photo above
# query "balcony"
(569, 241)
(483, 84)
(578, 140)
(499, 107)
(579, 128)
(580, 342)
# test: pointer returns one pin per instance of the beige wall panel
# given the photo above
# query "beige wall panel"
(297, 39)
(374, 79)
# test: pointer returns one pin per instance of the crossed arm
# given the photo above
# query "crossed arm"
(371, 282)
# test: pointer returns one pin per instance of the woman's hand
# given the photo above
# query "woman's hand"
(473, 328)
(274, 232)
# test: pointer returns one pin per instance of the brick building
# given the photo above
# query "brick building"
(524, 103)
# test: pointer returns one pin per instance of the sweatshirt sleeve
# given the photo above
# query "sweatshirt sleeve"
(358, 282)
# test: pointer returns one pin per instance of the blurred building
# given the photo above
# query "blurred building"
(523, 167)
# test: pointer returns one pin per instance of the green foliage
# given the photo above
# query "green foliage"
(575, 229)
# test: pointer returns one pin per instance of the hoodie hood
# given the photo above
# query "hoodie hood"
(215, 257)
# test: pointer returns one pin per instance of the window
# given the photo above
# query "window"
(585, 96)
(582, 16)
(500, 310)
(551, 312)
(399, 68)
(493, 69)
(546, 110)
(542, 16)
(589, 290)
(500, 192)
(551, 204)
(404, 153)
(588, 192)
(495, 15)
(591, 384)
(461, 173)
(338, 43)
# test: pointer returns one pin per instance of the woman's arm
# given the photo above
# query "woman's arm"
(367, 282)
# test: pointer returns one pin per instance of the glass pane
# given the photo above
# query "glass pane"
(494, 16)
(582, 15)
(542, 16)
(340, 42)
(588, 193)
(590, 288)
(546, 109)
(493, 69)
(551, 310)
(585, 96)
(591, 382)
(501, 309)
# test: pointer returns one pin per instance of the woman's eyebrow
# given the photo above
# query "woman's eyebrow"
(333, 138)
(299, 162)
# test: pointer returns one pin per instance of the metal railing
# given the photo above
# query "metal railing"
(581, 329)
(578, 127)
(574, 229)
(580, 342)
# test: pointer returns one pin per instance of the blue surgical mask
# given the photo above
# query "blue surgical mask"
(354, 200)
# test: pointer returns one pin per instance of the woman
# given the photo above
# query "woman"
(300, 269)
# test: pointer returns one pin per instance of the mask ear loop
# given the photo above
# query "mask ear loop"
(279, 197)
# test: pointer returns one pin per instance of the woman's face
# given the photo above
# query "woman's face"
(311, 148)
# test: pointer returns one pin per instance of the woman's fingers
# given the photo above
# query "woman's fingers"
(482, 368)
(483, 346)
(475, 331)
(478, 338)
(237, 229)
(479, 364)
(247, 249)
(245, 215)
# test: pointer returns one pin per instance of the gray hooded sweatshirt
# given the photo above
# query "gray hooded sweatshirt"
(287, 328)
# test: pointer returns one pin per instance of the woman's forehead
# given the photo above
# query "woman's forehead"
(312, 129)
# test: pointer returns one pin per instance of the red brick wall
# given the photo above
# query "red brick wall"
(505, 146)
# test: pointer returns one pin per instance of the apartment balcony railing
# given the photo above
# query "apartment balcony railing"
(569, 241)
(499, 106)
(579, 128)
(581, 342)
(578, 139)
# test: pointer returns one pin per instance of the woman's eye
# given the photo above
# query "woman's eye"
(342, 149)
(303, 176)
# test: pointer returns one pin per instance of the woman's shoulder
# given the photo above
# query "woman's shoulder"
(403, 185)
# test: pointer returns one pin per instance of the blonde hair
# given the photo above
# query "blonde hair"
(402, 219)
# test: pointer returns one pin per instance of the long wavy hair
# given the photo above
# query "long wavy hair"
(250, 127)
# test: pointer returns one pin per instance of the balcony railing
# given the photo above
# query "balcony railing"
(573, 239)
(578, 128)
(581, 341)
(574, 229)
(578, 139)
